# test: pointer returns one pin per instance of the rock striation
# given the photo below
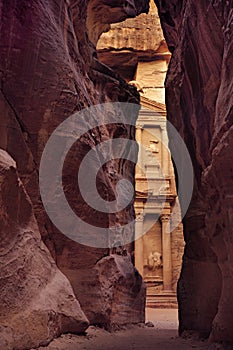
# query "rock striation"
(198, 93)
(49, 70)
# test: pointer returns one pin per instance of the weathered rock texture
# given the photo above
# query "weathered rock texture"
(199, 101)
(37, 301)
(143, 35)
(101, 13)
(137, 50)
(48, 71)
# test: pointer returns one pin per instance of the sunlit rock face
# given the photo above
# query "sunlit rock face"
(101, 13)
(37, 301)
(136, 49)
(198, 93)
(49, 71)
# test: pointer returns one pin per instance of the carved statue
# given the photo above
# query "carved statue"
(154, 146)
(154, 261)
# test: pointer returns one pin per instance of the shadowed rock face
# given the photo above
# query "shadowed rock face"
(199, 89)
(49, 70)
(37, 301)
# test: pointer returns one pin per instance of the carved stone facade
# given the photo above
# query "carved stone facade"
(158, 247)
(136, 49)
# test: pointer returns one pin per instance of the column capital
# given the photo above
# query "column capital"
(139, 126)
(165, 218)
(140, 217)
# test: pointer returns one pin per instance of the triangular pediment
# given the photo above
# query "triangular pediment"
(153, 105)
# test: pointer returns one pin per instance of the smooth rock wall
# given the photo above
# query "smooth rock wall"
(37, 301)
(199, 90)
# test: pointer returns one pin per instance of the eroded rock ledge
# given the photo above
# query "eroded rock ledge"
(199, 102)
(101, 13)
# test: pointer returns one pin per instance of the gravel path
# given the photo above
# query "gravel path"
(163, 336)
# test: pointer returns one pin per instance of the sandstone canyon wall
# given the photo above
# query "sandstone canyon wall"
(199, 101)
(49, 70)
(37, 301)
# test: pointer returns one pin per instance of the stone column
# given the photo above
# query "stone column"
(139, 256)
(165, 153)
(139, 140)
(166, 252)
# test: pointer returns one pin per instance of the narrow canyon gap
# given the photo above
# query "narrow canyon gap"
(136, 49)
(49, 70)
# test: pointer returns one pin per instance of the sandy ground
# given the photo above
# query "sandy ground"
(163, 336)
